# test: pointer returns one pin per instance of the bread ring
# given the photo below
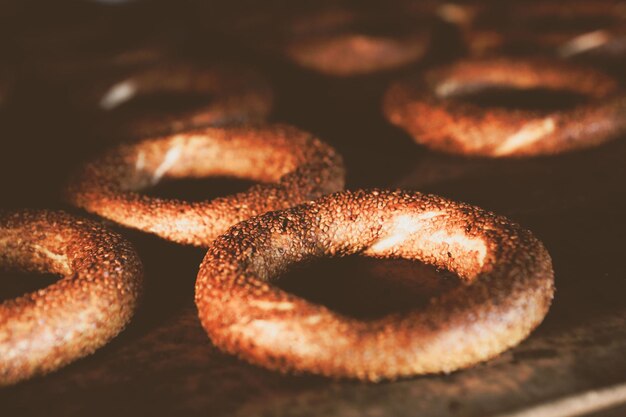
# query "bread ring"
(347, 42)
(507, 272)
(338, 39)
(355, 53)
(574, 28)
(234, 95)
(47, 329)
(292, 165)
(427, 109)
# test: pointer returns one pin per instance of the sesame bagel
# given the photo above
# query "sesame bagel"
(92, 302)
(506, 292)
(572, 29)
(292, 167)
(233, 95)
(354, 53)
(429, 109)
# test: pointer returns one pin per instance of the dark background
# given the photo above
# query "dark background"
(164, 363)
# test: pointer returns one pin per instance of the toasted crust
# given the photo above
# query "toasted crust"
(426, 108)
(347, 54)
(507, 272)
(234, 95)
(92, 302)
(578, 28)
(292, 165)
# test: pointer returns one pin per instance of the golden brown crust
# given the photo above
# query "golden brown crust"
(292, 165)
(507, 271)
(92, 302)
(427, 109)
(234, 95)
